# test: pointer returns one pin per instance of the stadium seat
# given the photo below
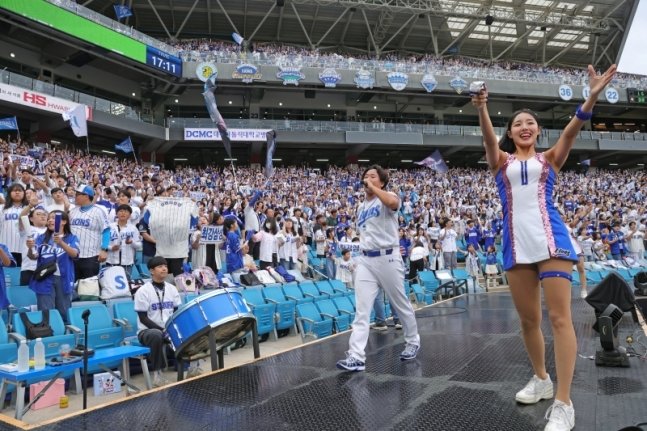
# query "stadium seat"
(264, 313)
(285, 308)
(292, 291)
(345, 306)
(309, 289)
(12, 275)
(327, 308)
(126, 317)
(61, 334)
(103, 332)
(311, 323)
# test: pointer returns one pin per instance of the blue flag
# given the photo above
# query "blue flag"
(271, 146)
(9, 123)
(210, 103)
(126, 146)
(122, 11)
(435, 162)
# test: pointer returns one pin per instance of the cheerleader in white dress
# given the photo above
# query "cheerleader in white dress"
(536, 246)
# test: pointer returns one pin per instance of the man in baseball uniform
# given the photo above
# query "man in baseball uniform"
(379, 266)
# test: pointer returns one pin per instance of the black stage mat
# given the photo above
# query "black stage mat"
(471, 363)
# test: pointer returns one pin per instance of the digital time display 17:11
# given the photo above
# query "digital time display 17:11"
(163, 61)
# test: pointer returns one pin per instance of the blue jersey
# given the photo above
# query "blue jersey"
(64, 261)
(489, 235)
(234, 257)
(473, 236)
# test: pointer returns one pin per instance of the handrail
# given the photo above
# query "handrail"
(355, 126)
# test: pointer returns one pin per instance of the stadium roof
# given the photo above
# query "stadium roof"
(573, 33)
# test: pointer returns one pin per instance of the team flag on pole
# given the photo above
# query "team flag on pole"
(210, 102)
(122, 11)
(77, 120)
(435, 162)
(126, 146)
(271, 146)
(9, 123)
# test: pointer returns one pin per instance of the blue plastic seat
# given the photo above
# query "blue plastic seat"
(292, 291)
(339, 287)
(326, 289)
(327, 308)
(311, 322)
(21, 298)
(264, 313)
(421, 295)
(103, 331)
(126, 317)
(345, 306)
(285, 308)
(60, 336)
(309, 289)
(60, 333)
(12, 275)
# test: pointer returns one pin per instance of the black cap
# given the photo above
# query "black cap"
(156, 261)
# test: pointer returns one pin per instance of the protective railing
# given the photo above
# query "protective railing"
(352, 126)
(96, 103)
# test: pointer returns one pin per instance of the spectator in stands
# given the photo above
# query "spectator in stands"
(288, 241)
(89, 223)
(268, 243)
(155, 303)
(539, 248)
(60, 201)
(9, 233)
(234, 255)
(55, 291)
(125, 240)
(447, 239)
(38, 222)
(636, 239)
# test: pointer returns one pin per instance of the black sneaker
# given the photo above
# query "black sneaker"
(380, 326)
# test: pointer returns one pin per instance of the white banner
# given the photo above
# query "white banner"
(34, 99)
(352, 246)
(211, 235)
(196, 196)
(194, 134)
(25, 161)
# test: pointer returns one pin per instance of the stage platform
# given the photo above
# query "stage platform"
(471, 364)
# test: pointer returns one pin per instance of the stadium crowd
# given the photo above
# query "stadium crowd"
(272, 53)
(606, 209)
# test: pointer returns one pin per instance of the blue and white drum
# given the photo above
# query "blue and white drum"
(223, 312)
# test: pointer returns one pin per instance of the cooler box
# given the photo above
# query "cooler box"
(106, 383)
(51, 397)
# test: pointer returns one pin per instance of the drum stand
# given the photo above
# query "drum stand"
(216, 352)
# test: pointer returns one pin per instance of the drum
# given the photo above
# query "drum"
(223, 312)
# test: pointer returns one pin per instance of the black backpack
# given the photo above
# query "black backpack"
(37, 330)
(249, 279)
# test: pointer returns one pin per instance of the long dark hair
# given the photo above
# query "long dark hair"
(506, 143)
(15, 186)
(273, 227)
(382, 174)
(66, 227)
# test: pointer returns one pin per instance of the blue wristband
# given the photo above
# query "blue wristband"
(581, 115)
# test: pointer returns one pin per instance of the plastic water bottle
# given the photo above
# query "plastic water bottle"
(23, 357)
(39, 354)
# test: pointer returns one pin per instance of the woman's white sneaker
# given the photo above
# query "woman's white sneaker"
(535, 391)
(561, 417)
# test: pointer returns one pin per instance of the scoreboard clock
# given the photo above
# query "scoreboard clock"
(637, 96)
(160, 60)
